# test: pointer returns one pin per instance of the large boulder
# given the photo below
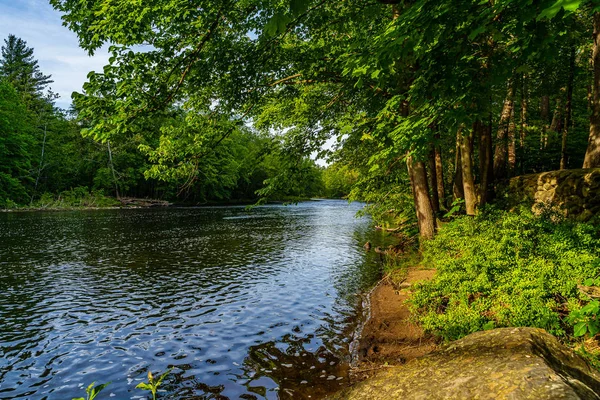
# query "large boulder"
(506, 363)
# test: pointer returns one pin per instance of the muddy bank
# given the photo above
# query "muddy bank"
(388, 337)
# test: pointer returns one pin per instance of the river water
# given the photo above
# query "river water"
(248, 304)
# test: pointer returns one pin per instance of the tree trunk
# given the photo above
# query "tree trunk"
(512, 144)
(433, 185)
(40, 165)
(486, 169)
(568, 110)
(457, 187)
(112, 168)
(544, 115)
(467, 169)
(439, 172)
(557, 120)
(592, 154)
(425, 215)
(524, 109)
(501, 153)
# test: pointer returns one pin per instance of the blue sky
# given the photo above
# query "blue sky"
(55, 47)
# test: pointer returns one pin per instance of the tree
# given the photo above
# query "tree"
(19, 67)
(15, 144)
(387, 81)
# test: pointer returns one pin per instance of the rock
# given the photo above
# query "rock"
(568, 191)
(506, 363)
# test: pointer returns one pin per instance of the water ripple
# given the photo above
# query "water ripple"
(248, 304)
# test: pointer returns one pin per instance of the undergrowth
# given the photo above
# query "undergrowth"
(75, 198)
(503, 269)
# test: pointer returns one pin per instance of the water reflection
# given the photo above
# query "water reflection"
(244, 304)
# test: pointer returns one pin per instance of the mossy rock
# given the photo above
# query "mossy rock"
(506, 363)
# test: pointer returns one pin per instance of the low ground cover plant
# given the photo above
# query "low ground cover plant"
(508, 268)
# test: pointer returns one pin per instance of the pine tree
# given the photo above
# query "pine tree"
(21, 69)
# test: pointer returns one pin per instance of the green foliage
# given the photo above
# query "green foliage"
(75, 198)
(153, 384)
(16, 141)
(455, 208)
(587, 318)
(505, 269)
(338, 180)
(19, 67)
(92, 391)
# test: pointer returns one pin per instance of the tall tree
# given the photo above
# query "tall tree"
(15, 145)
(592, 155)
(19, 67)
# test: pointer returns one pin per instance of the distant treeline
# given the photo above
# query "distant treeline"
(44, 155)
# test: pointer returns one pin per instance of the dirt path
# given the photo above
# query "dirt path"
(388, 337)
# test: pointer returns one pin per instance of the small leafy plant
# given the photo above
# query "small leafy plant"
(455, 208)
(587, 319)
(153, 384)
(92, 391)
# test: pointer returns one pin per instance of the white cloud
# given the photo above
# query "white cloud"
(55, 47)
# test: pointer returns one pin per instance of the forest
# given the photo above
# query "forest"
(216, 102)
(47, 163)
(423, 109)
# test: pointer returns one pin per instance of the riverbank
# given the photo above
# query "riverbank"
(113, 203)
(389, 337)
(499, 269)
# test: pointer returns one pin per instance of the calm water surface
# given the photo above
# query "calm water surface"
(242, 304)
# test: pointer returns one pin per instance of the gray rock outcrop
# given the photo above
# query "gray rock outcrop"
(506, 363)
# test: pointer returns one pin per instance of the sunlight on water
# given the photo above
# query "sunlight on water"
(243, 304)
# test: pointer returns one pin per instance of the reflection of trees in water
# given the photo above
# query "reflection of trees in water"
(183, 385)
(298, 372)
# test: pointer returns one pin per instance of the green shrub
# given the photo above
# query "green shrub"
(505, 269)
(77, 197)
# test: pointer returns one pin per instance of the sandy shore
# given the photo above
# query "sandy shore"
(389, 337)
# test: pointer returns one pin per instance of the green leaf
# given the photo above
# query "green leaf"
(476, 32)
(589, 282)
(277, 24)
(298, 7)
(143, 386)
(580, 329)
(98, 389)
(591, 308)
(160, 379)
(593, 327)
(568, 5)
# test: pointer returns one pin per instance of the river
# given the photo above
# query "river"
(248, 304)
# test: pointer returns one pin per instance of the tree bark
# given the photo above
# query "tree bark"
(112, 168)
(512, 144)
(568, 110)
(557, 120)
(467, 169)
(592, 154)
(40, 165)
(433, 185)
(486, 169)
(544, 115)
(457, 187)
(501, 153)
(439, 172)
(524, 110)
(425, 215)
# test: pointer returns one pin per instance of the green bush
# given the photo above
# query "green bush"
(506, 269)
(77, 197)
